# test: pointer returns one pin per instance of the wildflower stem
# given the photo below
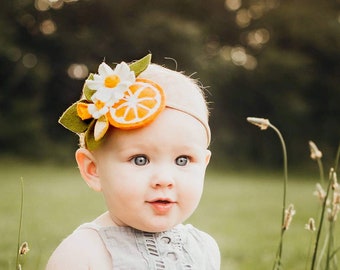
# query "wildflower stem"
(20, 222)
(277, 263)
(334, 252)
(332, 218)
(330, 244)
(285, 169)
(322, 177)
(322, 251)
(264, 124)
(324, 204)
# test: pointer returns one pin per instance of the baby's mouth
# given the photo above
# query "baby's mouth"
(162, 201)
(162, 206)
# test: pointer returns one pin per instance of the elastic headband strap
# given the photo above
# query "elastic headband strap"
(186, 111)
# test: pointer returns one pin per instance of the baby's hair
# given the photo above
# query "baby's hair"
(182, 92)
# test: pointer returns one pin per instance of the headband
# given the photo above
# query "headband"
(121, 98)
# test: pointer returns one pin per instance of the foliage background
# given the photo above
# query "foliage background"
(267, 58)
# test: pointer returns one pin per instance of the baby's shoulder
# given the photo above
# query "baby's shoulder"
(199, 235)
(83, 249)
(206, 246)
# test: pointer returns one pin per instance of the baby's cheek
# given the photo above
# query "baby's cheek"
(192, 191)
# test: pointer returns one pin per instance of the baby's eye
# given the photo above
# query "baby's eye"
(182, 160)
(140, 160)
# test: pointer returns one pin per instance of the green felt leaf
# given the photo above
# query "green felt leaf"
(88, 93)
(90, 141)
(140, 65)
(72, 121)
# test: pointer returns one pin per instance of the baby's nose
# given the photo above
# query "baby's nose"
(162, 179)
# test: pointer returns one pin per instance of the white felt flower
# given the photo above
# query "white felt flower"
(97, 109)
(110, 84)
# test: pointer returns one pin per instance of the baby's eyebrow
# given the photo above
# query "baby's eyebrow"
(133, 149)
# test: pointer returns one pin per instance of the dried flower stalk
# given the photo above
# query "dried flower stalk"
(310, 226)
(290, 212)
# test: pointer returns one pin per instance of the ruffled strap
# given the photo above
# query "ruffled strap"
(89, 226)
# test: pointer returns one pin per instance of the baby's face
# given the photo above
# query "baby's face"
(152, 178)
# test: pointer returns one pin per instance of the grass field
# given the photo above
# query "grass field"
(241, 210)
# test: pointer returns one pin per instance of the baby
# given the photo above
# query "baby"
(144, 135)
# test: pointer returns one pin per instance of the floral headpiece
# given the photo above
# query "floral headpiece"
(114, 97)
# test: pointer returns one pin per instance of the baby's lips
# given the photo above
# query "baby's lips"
(161, 200)
(161, 206)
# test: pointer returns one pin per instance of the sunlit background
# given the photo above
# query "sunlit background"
(267, 58)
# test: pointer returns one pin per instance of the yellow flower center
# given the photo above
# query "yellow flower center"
(111, 81)
(99, 104)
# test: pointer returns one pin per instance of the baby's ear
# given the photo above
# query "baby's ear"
(207, 157)
(88, 168)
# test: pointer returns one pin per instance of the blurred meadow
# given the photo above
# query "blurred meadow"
(240, 209)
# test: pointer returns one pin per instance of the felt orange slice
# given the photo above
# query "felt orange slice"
(141, 104)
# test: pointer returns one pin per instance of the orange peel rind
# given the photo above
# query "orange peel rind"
(141, 104)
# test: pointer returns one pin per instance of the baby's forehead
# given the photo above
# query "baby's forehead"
(172, 128)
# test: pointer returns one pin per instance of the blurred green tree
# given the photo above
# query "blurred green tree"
(258, 57)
